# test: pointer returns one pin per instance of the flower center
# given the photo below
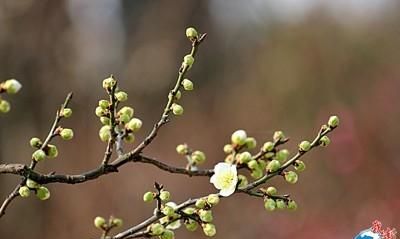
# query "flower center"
(226, 179)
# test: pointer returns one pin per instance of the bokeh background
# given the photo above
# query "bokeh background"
(266, 65)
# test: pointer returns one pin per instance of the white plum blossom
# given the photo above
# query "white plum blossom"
(225, 178)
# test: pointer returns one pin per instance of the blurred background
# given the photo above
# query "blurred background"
(265, 66)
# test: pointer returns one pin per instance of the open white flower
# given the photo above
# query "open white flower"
(225, 178)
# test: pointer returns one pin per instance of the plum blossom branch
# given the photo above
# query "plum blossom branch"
(52, 133)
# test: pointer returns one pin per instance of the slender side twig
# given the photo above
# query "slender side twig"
(164, 117)
(51, 135)
(111, 141)
(323, 131)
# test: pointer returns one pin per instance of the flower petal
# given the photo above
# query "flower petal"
(227, 191)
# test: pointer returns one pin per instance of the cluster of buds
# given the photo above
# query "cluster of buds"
(47, 150)
(116, 122)
(183, 83)
(41, 192)
(11, 87)
(106, 226)
(272, 201)
(170, 220)
(172, 217)
(194, 157)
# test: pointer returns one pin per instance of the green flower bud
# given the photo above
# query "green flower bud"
(262, 164)
(205, 215)
(31, 184)
(278, 136)
(105, 133)
(134, 125)
(165, 195)
(228, 148)
(167, 234)
(39, 155)
(252, 164)
(257, 173)
(124, 118)
(333, 121)
(99, 222)
(182, 149)
(109, 83)
(12, 86)
(188, 60)
(156, 229)
(99, 111)
(282, 155)
(242, 181)
(191, 33)
(66, 112)
(121, 96)
(191, 225)
(43, 193)
(280, 204)
(4, 106)
(251, 143)
(213, 199)
(270, 204)
(239, 137)
(105, 120)
(324, 141)
(273, 166)
(67, 134)
(117, 222)
(104, 104)
(305, 146)
(198, 157)
(168, 211)
(291, 177)
(268, 146)
(35, 142)
(292, 205)
(209, 229)
(177, 109)
(299, 165)
(148, 197)
(244, 157)
(189, 210)
(164, 220)
(178, 95)
(271, 191)
(129, 138)
(52, 151)
(187, 84)
(201, 203)
(126, 110)
(24, 191)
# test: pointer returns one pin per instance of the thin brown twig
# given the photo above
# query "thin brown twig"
(52, 133)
